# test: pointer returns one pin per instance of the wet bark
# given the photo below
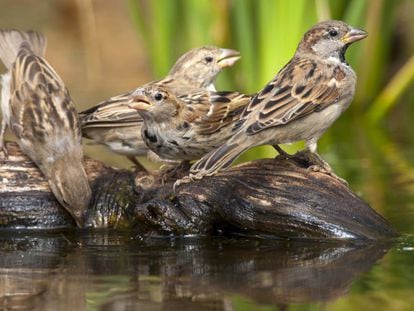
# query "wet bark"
(271, 197)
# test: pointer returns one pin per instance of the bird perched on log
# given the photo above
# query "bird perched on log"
(114, 124)
(301, 102)
(38, 109)
(189, 126)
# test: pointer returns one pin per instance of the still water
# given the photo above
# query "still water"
(113, 271)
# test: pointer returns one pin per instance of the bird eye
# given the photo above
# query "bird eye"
(158, 96)
(208, 59)
(333, 33)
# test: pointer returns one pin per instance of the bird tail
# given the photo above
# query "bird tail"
(12, 40)
(219, 159)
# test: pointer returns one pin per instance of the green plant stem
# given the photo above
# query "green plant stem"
(392, 92)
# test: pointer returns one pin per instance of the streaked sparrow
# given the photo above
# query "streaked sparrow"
(37, 107)
(189, 126)
(302, 101)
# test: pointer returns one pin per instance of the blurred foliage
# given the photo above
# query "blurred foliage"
(266, 32)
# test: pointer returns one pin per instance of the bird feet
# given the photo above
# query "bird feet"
(187, 179)
(168, 172)
(282, 153)
(317, 164)
(184, 180)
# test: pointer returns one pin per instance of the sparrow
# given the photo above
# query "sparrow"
(186, 127)
(38, 109)
(301, 102)
(114, 124)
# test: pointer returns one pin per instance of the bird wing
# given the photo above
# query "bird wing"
(41, 107)
(215, 110)
(11, 41)
(300, 88)
(113, 112)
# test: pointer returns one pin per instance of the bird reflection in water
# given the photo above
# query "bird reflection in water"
(122, 272)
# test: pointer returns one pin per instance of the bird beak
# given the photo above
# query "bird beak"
(76, 208)
(79, 219)
(353, 35)
(139, 101)
(228, 57)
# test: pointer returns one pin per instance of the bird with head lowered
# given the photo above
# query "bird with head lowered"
(38, 109)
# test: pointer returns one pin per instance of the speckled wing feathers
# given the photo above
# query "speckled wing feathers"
(294, 93)
(216, 109)
(41, 103)
(11, 40)
(111, 112)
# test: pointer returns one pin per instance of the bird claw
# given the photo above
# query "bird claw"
(282, 154)
(285, 156)
(321, 169)
(168, 172)
(327, 170)
(165, 173)
(317, 164)
(184, 180)
(315, 161)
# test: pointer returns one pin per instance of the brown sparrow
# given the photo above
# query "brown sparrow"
(189, 126)
(115, 125)
(301, 102)
(37, 107)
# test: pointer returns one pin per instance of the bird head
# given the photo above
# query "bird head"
(330, 39)
(68, 182)
(199, 67)
(155, 103)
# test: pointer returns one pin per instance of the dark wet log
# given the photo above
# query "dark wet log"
(280, 197)
(25, 197)
(271, 197)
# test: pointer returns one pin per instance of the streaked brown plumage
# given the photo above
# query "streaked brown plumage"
(300, 103)
(39, 111)
(115, 125)
(188, 126)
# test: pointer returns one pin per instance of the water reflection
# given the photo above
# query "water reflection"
(118, 272)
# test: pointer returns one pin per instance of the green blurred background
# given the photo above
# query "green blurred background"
(104, 48)
(266, 32)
